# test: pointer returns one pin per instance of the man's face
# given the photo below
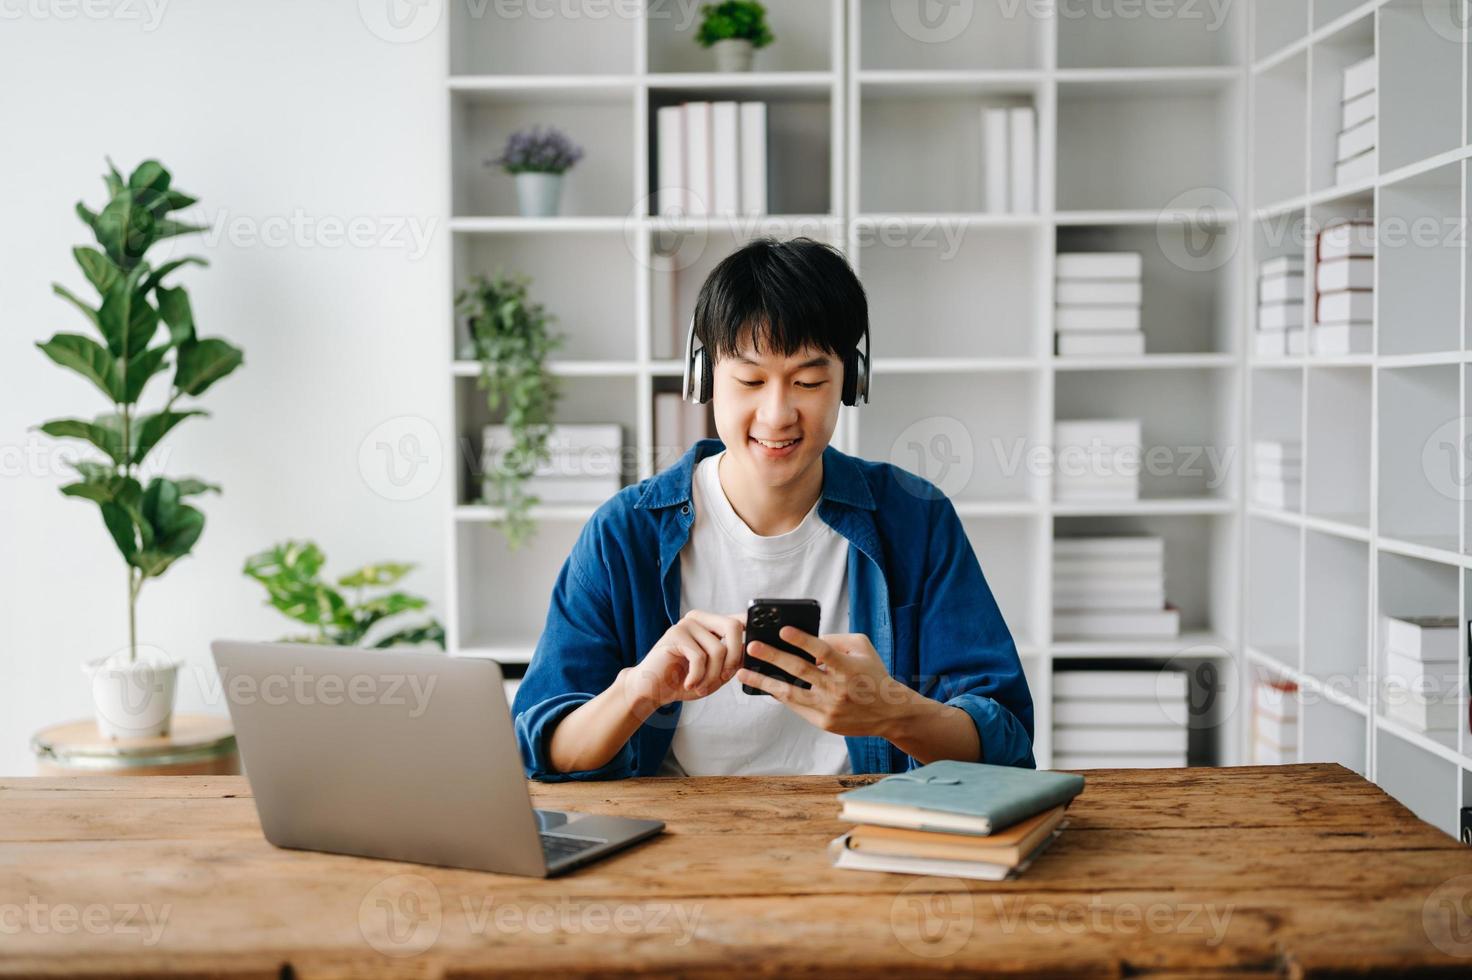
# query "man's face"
(776, 414)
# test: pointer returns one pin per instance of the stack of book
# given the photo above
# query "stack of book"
(1009, 144)
(678, 425)
(1419, 688)
(1097, 460)
(1274, 722)
(1277, 473)
(1357, 159)
(712, 158)
(1111, 587)
(1344, 281)
(1119, 719)
(1098, 296)
(955, 819)
(1279, 305)
(585, 464)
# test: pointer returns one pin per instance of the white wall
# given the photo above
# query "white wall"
(272, 112)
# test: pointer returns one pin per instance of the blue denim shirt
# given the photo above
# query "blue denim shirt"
(915, 589)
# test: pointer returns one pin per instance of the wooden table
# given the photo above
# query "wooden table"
(1293, 870)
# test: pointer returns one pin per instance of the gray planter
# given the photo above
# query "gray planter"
(539, 194)
(733, 54)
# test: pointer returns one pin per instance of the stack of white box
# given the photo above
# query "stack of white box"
(1279, 306)
(1420, 686)
(584, 463)
(1119, 719)
(1344, 282)
(1111, 587)
(1274, 723)
(1357, 158)
(1097, 460)
(1098, 296)
(1277, 473)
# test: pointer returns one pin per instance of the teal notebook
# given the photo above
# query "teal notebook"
(959, 794)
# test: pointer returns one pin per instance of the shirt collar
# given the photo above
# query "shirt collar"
(843, 481)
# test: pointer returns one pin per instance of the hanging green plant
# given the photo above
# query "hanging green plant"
(510, 338)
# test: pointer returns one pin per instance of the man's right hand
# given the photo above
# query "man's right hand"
(693, 659)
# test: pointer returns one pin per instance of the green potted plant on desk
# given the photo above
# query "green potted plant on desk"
(143, 330)
(734, 30)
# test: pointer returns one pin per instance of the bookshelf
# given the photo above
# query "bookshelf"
(875, 145)
(1381, 526)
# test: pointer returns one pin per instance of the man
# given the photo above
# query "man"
(639, 670)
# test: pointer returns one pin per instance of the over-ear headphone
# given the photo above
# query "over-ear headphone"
(700, 378)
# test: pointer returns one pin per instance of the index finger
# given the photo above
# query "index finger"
(820, 650)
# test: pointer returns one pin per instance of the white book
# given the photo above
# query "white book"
(572, 450)
(753, 136)
(1270, 343)
(1118, 495)
(1098, 292)
(1290, 470)
(1119, 684)
(1346, 306)
(1128, 761)
(1278, 494)
(571, 489)
(994, 125)
(1022, 124)
(1283, 265)
(1136, 589)
(564, 436)
(1097, 623)
(1279, 316)
(1277, 451)
(1358, 109)
(700, 194)
(1120, 739)
(1279, 289)
(1354, 140)
(1337, 274)
(1113, 546)
(1430, 639)
(1134, 713)
(1280, 699)
(851, 859)
(1121, 602)
(1099, 265)
(1432, 675)
(725, 148)
(1360, 78)
(670, 122)
(1107, 567)
(1341, 338)
(1281, 732)
(1092, 343)
(1420, 711)
(1357, 169)
(1097, 318)
(668, 442)
(1347, 239)
(1104, 432)
(1273, 755)
(1297, 341)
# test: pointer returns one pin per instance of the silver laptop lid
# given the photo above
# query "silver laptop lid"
(400, 755)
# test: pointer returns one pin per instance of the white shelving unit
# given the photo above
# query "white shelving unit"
(875, 143)
(1382, 527)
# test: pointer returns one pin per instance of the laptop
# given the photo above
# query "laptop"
(399, 755)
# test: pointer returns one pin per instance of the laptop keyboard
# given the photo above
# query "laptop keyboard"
(557, 848)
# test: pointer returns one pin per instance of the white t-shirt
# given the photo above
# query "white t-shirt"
(723, 566)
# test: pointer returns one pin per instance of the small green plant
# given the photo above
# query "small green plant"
(150, 523)
(510, 339)
(738, 20)
(289, 572)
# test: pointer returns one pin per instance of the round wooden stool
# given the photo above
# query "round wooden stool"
(197, 745)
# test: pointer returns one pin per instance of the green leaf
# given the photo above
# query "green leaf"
(414, 636)
(141, 369)
(106, 433)
(177, 200)
(105, 485)
(173, 306)
(121, 526)
(88, 216)
(91, 471)
(71, 297)
(98, 268)
(89, 359)
(382, 573)
(168, 228)
(149, 429)
(203, 363)
(149, 175)
(191, 486)
(113, 179)
(125, 230)
(126, 318)
(156, 279)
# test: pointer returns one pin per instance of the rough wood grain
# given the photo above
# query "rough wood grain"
(1281, 871)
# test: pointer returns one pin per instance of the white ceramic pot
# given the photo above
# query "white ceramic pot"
(733, 54)
(539, 194)
(133, 699)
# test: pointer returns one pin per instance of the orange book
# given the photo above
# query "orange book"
(1008, 847)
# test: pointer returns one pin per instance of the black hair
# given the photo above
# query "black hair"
(788, 295)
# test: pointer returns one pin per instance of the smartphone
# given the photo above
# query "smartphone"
(764, 621)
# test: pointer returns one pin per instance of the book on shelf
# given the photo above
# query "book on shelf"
(1334, 275)
(1098, 292)
(1116, 624)
(1126, 569)
(571, 489)
(711, 158)
(1142, 760)
(1280, 451)
(1416, 673)
(1279, 494)
(1135, 712)
(673, 179)
(1098, 433)
(725, 158)
(1084, 600)
(1346, 239)
(1421, 710)
(1022, 133)
(1280, 289)
(1068, 318)
(1100, 343)
(1279, 316)
(1270, 343)
(1291, 470)
(1275, 730)
(587, 450)
(1360, 78)
(994, 128)
(1099, 265)
(700, 189)
(1357, 110)
(754, 161)
(1275, 697)
(1121, 739)
(1341, 338)
(1357, 168)
(1346, 306)
(1118, 546)
(1424, 638)
(1296, 341)
(1120, 684)
(1283, 265)
(1354, 140)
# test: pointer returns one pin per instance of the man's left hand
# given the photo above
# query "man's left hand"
(851, 693)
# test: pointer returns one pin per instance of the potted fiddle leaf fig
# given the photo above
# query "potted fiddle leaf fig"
(142, 336)
(734, 30)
